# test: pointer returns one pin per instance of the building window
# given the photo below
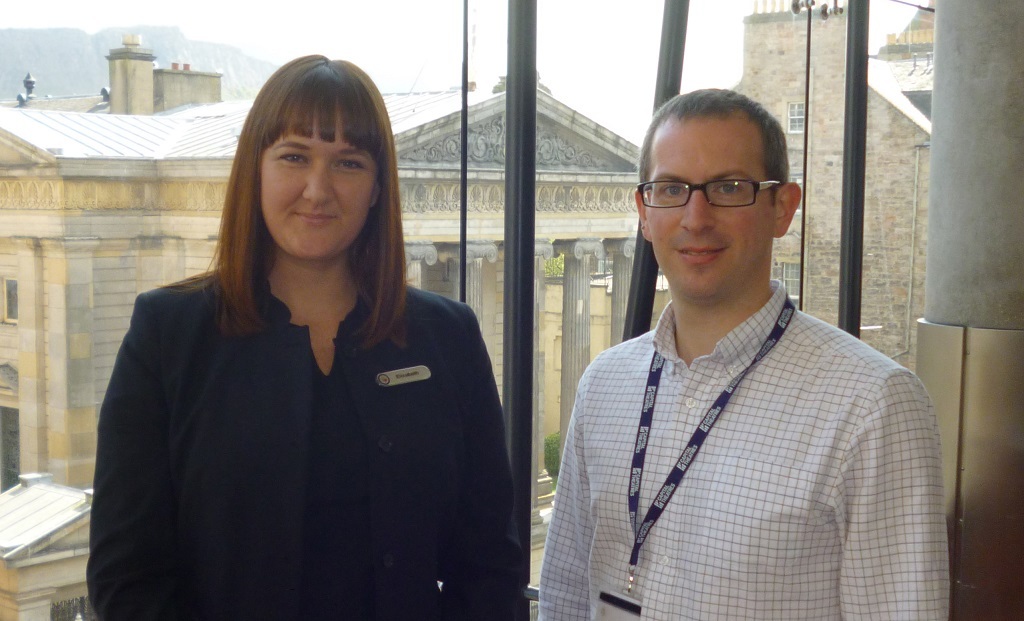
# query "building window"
(9, 303)
(10, 448)
(796, 118)
(791, 279)
(797, 177)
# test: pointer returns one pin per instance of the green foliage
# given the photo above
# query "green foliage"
(552, 455)
(555, 266)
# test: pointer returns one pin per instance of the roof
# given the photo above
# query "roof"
(883, 82)
(35, 512)
(203, 131)
(415, 109)
(74, 103)
(199, 131)
(77, 134)
(915, 74)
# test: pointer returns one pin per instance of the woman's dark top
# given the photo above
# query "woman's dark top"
(205, 471)
(337, 581)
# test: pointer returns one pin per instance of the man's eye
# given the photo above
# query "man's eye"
(673, 189)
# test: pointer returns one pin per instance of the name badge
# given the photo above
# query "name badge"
(616, 607)
(403, 376)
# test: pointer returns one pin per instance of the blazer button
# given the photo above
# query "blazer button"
(388, 560)
(385, 444)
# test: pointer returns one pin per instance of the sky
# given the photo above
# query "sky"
(597, 56)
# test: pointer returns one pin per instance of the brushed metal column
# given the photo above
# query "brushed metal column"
(971, 344)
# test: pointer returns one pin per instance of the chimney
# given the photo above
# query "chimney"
(131, 77)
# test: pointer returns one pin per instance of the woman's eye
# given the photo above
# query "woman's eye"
(293, 157)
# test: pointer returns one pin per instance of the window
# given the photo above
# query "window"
(10, 448)
(791, 279)
(9, 304)
(796, 118)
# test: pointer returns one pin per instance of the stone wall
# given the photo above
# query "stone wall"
(896, 178)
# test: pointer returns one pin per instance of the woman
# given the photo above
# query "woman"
(296, 435)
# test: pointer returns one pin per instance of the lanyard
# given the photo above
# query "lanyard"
(690, 452)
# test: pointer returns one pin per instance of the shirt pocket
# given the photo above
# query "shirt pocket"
(766, 516)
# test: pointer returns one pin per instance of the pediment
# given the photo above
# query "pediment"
(566, 141)
(16, 153)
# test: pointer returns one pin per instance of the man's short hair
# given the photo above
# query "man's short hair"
(721, 103)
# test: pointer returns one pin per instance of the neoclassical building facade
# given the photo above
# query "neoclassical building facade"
(96, 208)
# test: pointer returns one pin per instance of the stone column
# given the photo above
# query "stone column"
(476, 253)
(579, 264)
(159, 261)
(70, 382)
(542, 489)
(971, 344)
(32, 357)
(416, 254)
(543, 250)
(621, 251)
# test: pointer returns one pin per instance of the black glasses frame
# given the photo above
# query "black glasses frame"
(644, 187)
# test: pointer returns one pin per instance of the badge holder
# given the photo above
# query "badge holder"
(617, 607)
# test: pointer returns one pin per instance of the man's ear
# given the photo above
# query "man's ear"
(787, 201)
(642, 212)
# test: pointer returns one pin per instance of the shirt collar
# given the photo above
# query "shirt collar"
(739, 346)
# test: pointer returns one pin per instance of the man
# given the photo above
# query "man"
(741, 460)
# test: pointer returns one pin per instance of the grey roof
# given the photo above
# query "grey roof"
(915, 74)
(77, 134)
(200, 131)
(75, 103)
(415, 109)
(883, 82)
(32, 512)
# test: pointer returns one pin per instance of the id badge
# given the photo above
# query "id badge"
(617, 607)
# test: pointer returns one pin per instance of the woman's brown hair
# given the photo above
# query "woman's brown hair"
(313, 93)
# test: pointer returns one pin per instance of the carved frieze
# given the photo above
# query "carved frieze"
(427, 197)
(30, 194)
(487, 147)
(193, 196)
(85, 195)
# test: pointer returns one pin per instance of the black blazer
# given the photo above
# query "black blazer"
(201, 468)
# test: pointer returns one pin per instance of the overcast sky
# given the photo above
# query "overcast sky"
(597, 56)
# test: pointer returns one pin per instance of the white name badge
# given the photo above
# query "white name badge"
(617, 607)
(403, 376)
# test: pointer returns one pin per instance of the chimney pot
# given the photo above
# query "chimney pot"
(188, 67)
(174, 66)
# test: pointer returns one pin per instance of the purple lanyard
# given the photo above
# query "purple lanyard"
(690, 452)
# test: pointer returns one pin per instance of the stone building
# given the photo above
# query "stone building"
(44, 545)
(96, 208)
(897, 173)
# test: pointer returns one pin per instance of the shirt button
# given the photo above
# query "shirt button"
(388, 560)
(385, 444)
(733, 370)
(691, 402)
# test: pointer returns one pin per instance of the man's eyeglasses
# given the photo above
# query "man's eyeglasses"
(721, 192)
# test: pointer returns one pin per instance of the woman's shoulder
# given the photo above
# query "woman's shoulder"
(187, 300)
(428, 306)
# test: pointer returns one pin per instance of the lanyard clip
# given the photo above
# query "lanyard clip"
(630, 579)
